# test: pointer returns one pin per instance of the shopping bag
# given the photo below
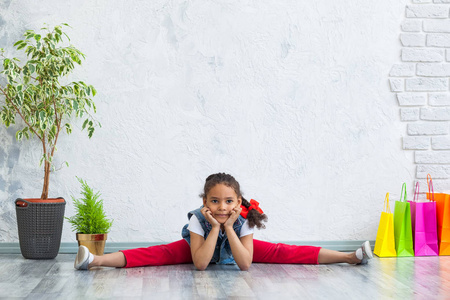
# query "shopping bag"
(424, 226)
(385, 241)
(443, 217)
(402, 226)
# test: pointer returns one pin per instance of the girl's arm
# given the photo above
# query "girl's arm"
(202, 250)
(242, 248)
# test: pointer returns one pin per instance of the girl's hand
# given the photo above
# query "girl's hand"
(209, 217)
(233, 217)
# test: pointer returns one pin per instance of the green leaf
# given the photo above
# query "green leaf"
(91, 131)
(42, 116)
(25, 132)
(21, 46)
(85, 123)
(19, 98)
(6, 63)
(18, 43)
(66, 36)
(19, 135)
(68, 128)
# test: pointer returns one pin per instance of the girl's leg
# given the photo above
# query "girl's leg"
(327, 256)
(174, 253)
(265, 252)
(178, 252)
(116, 259)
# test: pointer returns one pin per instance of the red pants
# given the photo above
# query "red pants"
(179, 252)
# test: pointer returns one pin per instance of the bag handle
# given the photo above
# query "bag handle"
(416, 193)
(430, 185)
(403, 192)
(386, 204)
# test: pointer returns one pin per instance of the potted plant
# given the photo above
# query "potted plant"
(90, 221)
(34, 92)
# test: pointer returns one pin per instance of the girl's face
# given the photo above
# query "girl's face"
(221, 200)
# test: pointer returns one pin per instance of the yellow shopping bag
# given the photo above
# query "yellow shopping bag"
(385, 242)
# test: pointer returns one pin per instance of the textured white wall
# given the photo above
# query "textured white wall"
(291, 97)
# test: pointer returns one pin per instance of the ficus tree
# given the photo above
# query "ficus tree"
(34, 91)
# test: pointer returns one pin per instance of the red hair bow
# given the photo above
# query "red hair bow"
(253, 205)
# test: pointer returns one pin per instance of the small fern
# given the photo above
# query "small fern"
(90, 217)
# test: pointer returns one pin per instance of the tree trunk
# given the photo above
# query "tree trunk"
(46, 180)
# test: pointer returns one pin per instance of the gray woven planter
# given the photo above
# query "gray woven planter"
(40, 225)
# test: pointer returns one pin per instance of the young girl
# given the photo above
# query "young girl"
(221, 232)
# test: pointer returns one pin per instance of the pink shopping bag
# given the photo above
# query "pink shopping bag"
(424, 226)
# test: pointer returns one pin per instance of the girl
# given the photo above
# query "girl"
(221, 232)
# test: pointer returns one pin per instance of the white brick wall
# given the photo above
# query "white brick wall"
(428, 128)
(421, 82)
(413, 39)
(409, 114)
(433, 40)
(405, 70)
(412, 26)
(433, 69)
(412, 99)
(423, 55)
(440, 143)
(436, 26)
(427, 11)
(439, 99)
(426, 84)
(416, 143)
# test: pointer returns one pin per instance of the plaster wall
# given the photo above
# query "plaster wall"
(291, 97)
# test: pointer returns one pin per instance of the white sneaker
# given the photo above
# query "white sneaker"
(84, 257)
(366, 252)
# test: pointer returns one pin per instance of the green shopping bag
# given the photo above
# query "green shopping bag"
(402, 226)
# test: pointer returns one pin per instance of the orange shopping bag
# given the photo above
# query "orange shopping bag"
(443, 217)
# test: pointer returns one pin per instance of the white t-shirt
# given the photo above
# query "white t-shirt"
(195, 227)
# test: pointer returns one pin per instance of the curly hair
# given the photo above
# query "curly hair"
(254, 217)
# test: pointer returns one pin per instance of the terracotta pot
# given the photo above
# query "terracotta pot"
(94, 242)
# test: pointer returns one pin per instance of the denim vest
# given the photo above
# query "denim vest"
(222, 254)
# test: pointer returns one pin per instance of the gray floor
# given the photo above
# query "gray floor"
(398, 278)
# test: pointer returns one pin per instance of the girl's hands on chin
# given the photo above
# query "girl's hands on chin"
(209, 217)
(233, 217)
